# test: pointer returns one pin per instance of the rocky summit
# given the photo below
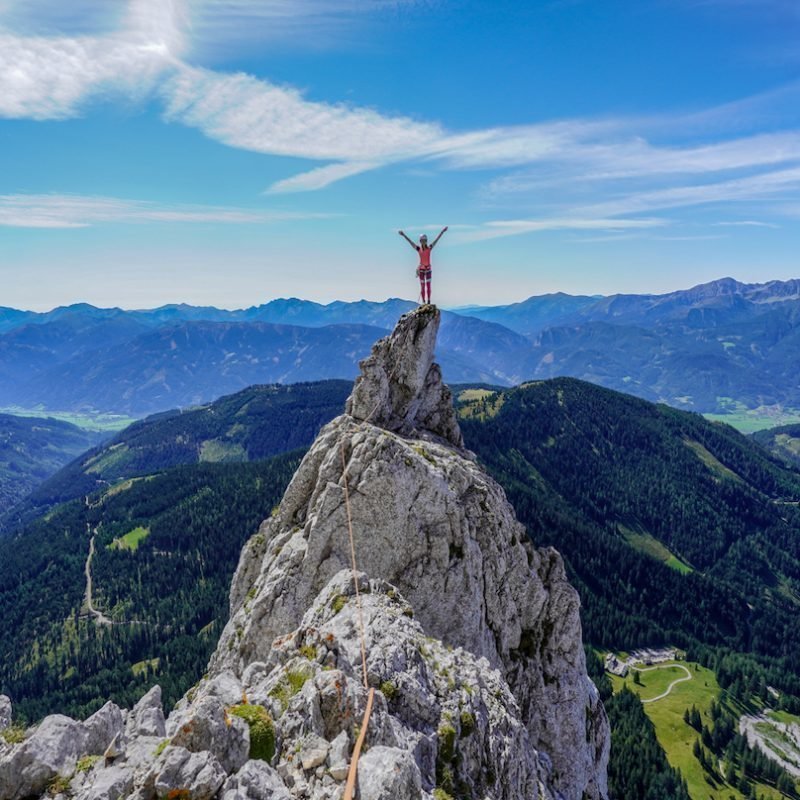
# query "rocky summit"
(471, 637)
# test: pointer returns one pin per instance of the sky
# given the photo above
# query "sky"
(228, 152)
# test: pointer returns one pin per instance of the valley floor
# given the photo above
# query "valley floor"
(667, 691)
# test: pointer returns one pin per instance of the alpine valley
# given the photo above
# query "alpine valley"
(145, 560)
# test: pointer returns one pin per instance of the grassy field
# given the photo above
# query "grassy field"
(785, 717)
(646, 543)
(711, 461)
(130, 541)
(106, 423)
(676, 737)
(217, 450)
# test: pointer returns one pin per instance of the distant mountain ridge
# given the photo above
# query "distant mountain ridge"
(703, 349)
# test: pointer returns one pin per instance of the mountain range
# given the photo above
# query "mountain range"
(702, 349)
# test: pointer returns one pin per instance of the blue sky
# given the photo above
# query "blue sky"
(228, 152)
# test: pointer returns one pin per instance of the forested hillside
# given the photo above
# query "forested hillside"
(253, 424)
(165, 549)
(673, 528)
(782, 441)
(32, 449)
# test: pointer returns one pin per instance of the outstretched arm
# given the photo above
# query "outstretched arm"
(441, 233)
(407, 239)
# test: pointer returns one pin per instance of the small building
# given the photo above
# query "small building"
(615, 666)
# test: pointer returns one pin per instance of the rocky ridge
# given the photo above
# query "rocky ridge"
(472, 637)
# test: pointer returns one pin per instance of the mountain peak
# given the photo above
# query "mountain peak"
(400, 387)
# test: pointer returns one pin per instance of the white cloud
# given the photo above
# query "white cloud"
(320, 177)
(220, 26)
(746, 223)
(752, 187)
(514, 227)
(245, 112)
(74, 211)
(48, 77)
(624, 159)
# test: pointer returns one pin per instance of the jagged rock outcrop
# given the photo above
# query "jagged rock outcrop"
(472, 635)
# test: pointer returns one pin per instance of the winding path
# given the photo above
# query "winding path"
(669, 688)
(99, 617)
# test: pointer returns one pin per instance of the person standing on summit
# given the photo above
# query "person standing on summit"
(424, 268)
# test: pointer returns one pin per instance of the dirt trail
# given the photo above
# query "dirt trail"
(99, 617)
(669, 688)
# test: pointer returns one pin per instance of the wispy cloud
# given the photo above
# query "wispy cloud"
(514, 227)
(73, 211)
(745, 223)
(320, 177)
(246, 112)
(753, 187)
(218, 24)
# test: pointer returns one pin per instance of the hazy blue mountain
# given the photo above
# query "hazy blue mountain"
(695, 349)
(32, 449)
(32, 349)
(195, 362)
(687, 365)
(116, 362)
(11, 318)
(534, 314)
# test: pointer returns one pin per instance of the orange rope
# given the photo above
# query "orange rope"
(351, 776)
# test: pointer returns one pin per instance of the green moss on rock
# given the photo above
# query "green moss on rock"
(262, 730)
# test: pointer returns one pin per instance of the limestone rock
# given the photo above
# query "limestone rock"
(200, 774)
(339, 757)
(210, 728)
(102, 728)
(388, 773)
(148, 714)
(429, 521)
(256, 780)
(442, 710)
(400, 388)
(109, 784)
(51, 751)
(313, 751)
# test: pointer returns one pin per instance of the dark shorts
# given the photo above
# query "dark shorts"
(423, 274)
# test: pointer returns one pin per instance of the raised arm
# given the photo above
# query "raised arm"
(441, 233)
(407, 239)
